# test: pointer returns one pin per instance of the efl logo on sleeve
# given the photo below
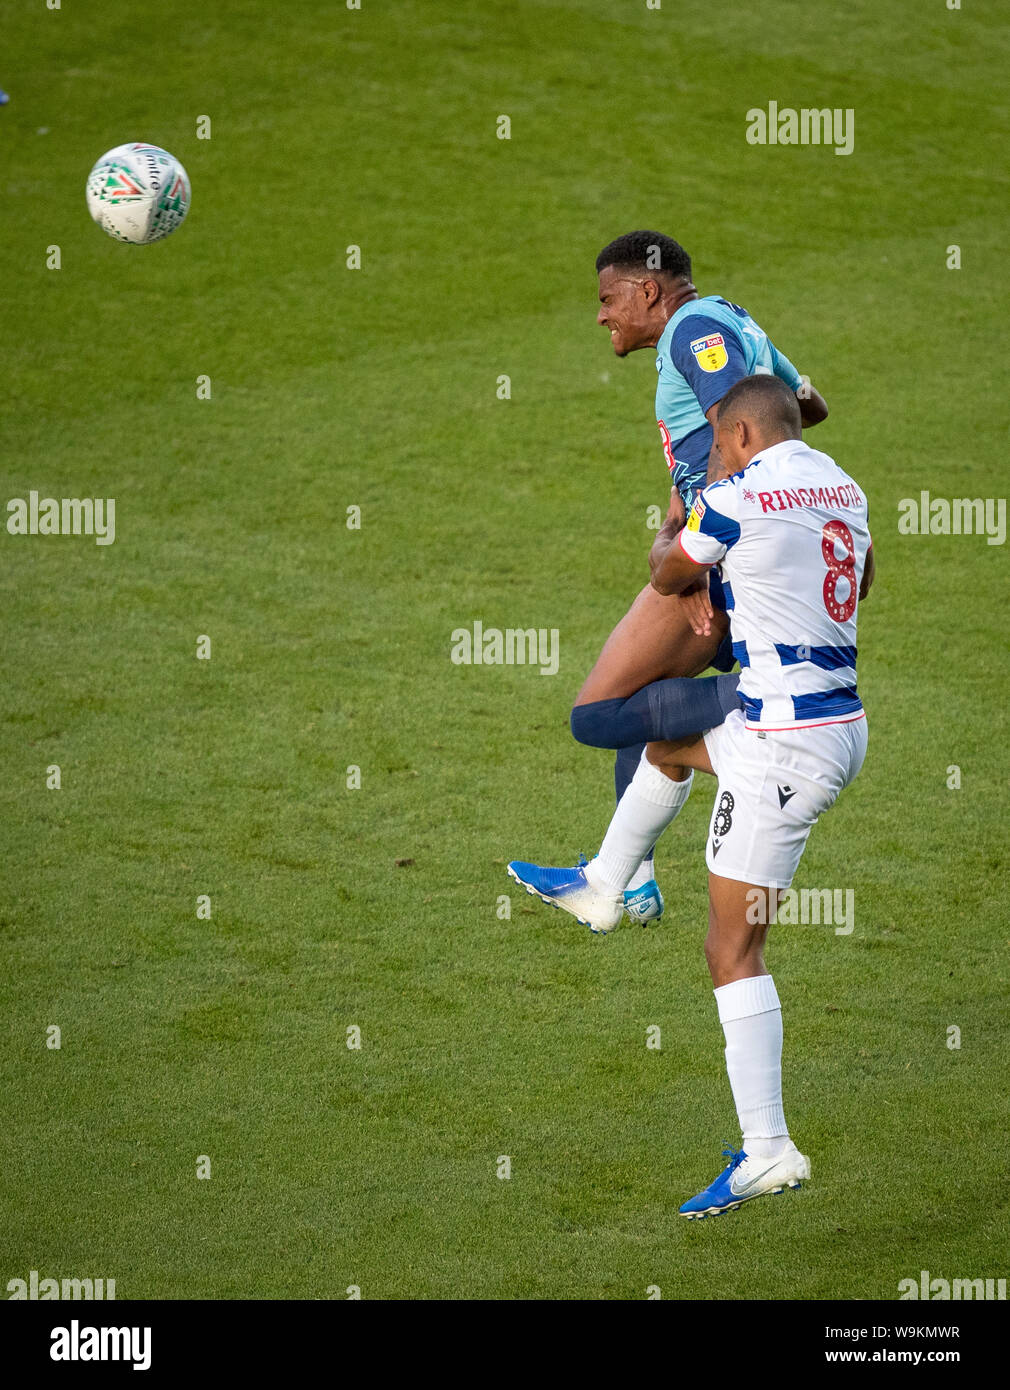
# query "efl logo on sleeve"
(710, 352)
(697, 512)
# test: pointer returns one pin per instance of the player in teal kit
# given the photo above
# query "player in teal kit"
(708, 345)
(703, 347)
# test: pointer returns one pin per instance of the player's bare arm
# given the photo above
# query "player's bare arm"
(696, 605)
(869, 574)
(673, 571)
(813, 406)
(713, 455)
(667, 533)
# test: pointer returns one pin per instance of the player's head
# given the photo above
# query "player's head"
(642, 276)
(754, 414)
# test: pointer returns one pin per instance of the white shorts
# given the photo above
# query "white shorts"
(772, 788)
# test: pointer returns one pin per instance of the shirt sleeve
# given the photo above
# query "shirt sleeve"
(785, 369)
(709, 355)
(711, 529)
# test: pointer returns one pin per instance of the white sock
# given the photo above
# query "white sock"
(751, 1018)
(644, 874)
(649, 804)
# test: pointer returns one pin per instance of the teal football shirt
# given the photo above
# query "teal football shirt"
(706, 347)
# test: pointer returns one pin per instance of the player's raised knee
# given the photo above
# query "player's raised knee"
(593, 724)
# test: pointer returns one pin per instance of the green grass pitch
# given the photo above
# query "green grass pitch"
(377, 388)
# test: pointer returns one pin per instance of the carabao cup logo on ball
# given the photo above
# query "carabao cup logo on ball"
(138, 193)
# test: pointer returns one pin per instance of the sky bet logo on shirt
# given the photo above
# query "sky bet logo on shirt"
(710, 352)
(697, 512)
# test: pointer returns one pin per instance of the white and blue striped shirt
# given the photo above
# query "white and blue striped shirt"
(790, 532)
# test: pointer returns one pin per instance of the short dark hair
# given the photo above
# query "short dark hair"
(766, 400)
(647, 252)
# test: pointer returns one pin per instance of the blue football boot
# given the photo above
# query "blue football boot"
(744, 1178)
(595, 908)
(644, 904)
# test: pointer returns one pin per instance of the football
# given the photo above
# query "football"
(138, 193)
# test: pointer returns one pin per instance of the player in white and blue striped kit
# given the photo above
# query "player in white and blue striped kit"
(790, 530)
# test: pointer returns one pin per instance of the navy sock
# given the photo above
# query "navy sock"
(625, 764)
(667, 709)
